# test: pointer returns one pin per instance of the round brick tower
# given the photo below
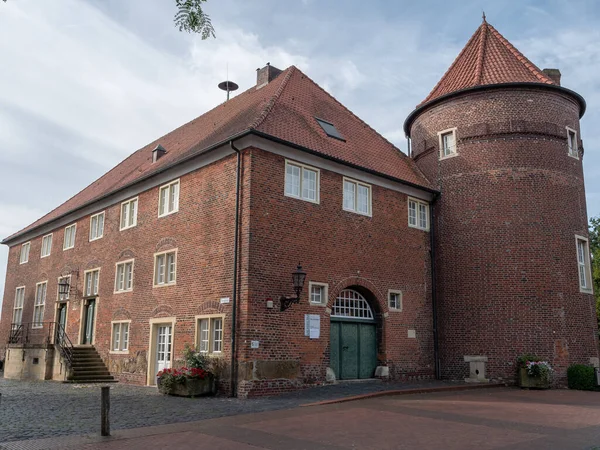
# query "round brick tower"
(500, 139)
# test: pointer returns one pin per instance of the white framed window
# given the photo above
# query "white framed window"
(63, 297)
(447, 143)
(124, 276)
(96, 226)
(209, 334)
(129, 213)
(418, 214)
(165, 268)
(91, 283)
(357, 197)
(583, 264)
(120, 337)
(302, 181)
(18, 307)
(168, 199)
(318, 293)
(39, 304)
(572, 143)
(69, 241)
(395, 300)
(46, 245)
(24, 257)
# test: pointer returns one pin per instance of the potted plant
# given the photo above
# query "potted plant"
(193, 380)
(534, 373)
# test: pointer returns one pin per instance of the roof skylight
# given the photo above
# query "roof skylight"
(330, 129)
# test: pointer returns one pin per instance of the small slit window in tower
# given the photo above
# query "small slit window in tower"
(572, 140)
(330, 129)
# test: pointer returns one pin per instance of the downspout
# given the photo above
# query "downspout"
(233, 373)
(408, 140)
(436, 351)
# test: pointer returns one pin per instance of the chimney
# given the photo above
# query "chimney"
(553, 74)
(265, 75)
(157, 153)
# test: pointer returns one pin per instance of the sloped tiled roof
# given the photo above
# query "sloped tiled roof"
(285, 109)
(488, 58)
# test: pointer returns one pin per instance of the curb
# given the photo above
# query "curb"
(407, 392)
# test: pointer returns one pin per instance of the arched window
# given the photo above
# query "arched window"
(350, 304)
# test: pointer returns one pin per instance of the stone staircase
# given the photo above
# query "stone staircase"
(88, 367)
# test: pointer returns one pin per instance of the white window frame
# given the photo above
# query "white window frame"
(122, 350)
(585, 265)
(74, 227)
(573, 152)
(302, 168)
(418, 203)
(18, 307)
(41, 305)
(103, 226)
(127, 204)
(399, 306)
(117, 281)
(26, 245)
(199, 338)
(93, 293)
(65, 297)
(169, 186)
(357, 183)
(156, 274)
(46, 238)
(324, 295)
(441, 135)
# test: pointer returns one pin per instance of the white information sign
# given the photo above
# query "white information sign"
(315, 326)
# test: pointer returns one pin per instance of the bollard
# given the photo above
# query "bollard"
(105, 411)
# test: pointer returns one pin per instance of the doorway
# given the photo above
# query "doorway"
(353, 337)
(88, 322)
(163, 347)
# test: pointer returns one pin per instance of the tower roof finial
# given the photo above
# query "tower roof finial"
(483, 16)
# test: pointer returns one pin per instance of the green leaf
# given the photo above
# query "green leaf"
(191, 18)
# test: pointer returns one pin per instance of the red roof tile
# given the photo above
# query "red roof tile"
(488, 58)
(286, 109)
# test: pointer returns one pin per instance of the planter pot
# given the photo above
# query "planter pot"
(191, 387)
(529, 382)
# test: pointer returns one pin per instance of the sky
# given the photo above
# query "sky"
(85, 83)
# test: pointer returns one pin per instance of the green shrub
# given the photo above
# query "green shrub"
(581, 377)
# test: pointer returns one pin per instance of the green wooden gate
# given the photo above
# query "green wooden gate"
(353, 337)
(353, 349)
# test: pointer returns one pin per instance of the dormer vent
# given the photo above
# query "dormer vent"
(158, 153)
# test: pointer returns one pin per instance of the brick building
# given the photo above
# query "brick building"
(479, 233)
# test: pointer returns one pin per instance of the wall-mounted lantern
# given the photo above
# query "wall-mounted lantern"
(64, 287)
(298, 277)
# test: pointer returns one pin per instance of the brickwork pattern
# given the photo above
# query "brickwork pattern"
(511, 203)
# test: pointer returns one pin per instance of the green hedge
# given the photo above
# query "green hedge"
(581, 377)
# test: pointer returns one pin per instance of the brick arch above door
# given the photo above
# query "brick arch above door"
(374, 293)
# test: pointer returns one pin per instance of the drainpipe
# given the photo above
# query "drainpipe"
(233, 373)
(436, 351)
(409, 150)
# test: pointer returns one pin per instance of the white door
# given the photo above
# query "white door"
(163, 348)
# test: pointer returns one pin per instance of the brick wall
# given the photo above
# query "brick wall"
(512, 202)
(202, 231)
(341, 248)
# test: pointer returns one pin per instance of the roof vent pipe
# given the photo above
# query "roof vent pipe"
(158, 153)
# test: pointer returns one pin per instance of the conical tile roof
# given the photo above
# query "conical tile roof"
(488, 58)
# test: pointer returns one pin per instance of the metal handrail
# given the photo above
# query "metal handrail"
(48, 333)
(65, 346)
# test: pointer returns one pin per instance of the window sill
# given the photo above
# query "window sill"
(356, 212)
(129, 227)
(68, 248)
(164, 285)
(95, 239)
(168, 214)
(573, 156)
(322, 305)
(45, 256)
(418, 228)
(119, 352)
(394, 309)
(452, 155)
(25, 262)
(585, 290)
(316, 202)
(125, 291)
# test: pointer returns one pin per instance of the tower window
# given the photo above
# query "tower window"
(572, 143)
(447, 143)
(418, 214)
(583, 264)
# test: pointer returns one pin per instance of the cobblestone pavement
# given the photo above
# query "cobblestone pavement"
(485, 419)
(32, 410)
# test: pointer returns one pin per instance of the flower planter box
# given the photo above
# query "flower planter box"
(191, 387)
(529, 382)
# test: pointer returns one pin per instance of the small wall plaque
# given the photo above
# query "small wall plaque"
(225, 300)
(254, 344)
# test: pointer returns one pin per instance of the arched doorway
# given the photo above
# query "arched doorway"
(353, 337)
